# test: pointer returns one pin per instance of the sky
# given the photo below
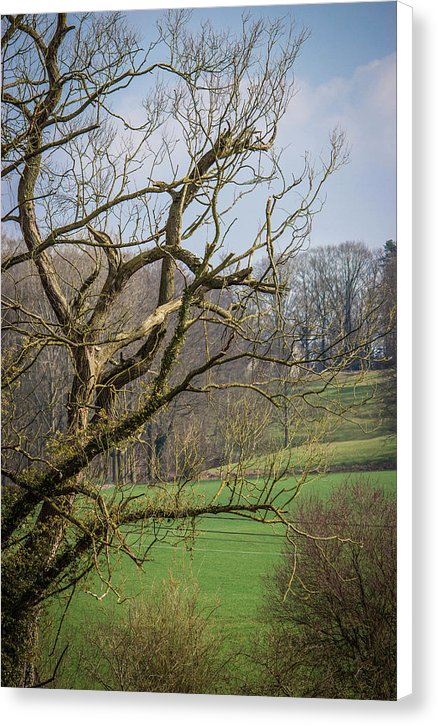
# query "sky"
(346, 76)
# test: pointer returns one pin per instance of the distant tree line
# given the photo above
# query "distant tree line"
(332, 293)
(331, 296)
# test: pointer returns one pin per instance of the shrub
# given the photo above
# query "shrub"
(331, 630)
(166, 644)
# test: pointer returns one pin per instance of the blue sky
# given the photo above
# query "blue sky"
(343, 35)
(346, 75)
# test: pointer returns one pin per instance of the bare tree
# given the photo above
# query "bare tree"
(336, 294)
(388, 261)
(92, 189)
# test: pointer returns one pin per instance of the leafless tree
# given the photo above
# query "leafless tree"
(389, 282)
(92, 188)
(335, 294)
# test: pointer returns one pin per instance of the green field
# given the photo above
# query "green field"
(368, 454)
(359, 398)
(228, 556)
(358, 434)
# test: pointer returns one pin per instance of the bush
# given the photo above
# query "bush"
(331, 630)
(166, 645)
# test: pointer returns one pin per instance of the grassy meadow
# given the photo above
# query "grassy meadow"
(228, 557)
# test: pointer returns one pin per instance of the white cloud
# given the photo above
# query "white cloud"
(363, 104)
(361, 197)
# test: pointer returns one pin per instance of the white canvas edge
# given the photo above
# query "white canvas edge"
(404, 350)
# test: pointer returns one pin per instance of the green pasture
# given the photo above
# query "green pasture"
(370, 454)
(361, 397)
(356, 401)
(352, 429)
(227, 555)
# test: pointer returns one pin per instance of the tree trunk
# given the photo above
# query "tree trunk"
(21, 585)
(19, 622)
(16, 642)
(19, 646)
